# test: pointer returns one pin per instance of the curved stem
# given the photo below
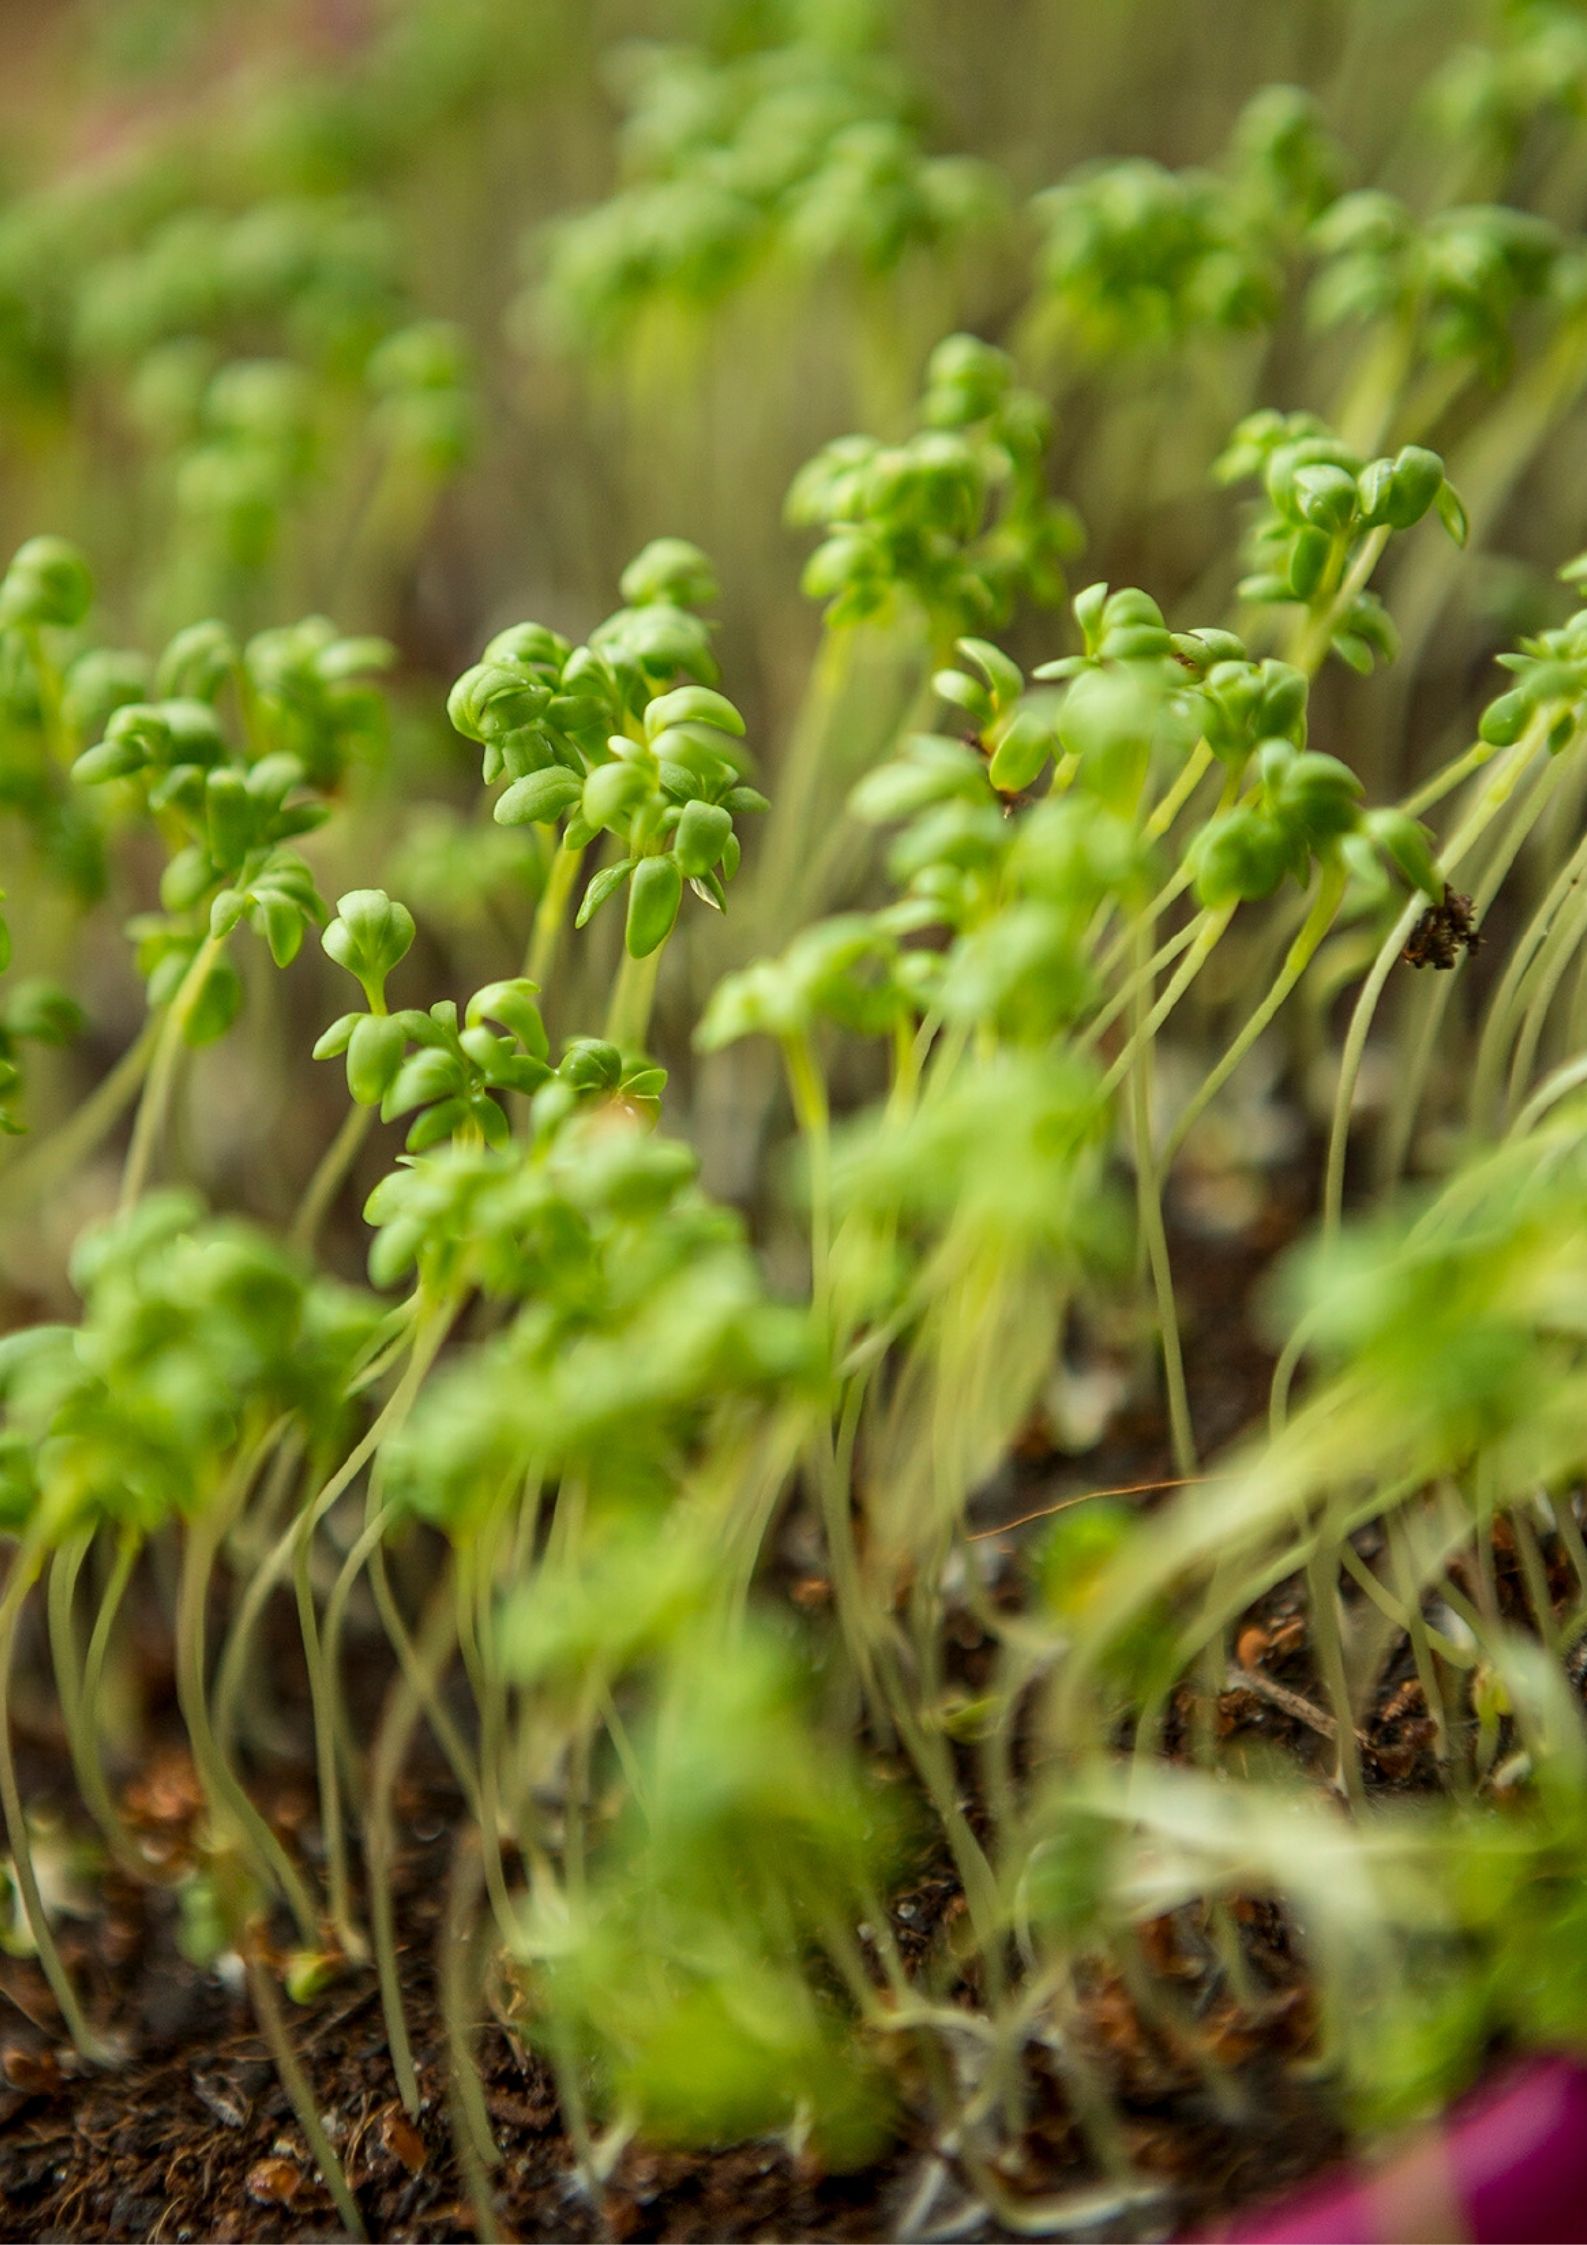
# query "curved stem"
(1149, 1206)
(1143, 971)
(330, 1174)
(404, 1701)
(219, 1780)
(324, 1651)
(1209, 927)
(300, 2094)
(808, 1092)
(46, 1158)
(1316, 635)
(152, 1108)
(551, 913)
(80, 1710)
(26, 1565)
(1318, 921)
(1493, 799)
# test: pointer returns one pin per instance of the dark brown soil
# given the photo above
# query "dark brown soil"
(192, 2136)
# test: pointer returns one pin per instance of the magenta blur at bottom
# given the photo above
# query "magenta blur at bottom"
(1508, 2166)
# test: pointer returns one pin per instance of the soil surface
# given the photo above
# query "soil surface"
(192, 2135)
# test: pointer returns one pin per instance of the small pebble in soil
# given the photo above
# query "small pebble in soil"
(274, 2182)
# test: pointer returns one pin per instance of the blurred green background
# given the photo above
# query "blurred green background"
(427, 315)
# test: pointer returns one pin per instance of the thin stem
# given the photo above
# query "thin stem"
(471, 2131)
(66, 1148)
(1143, 971)
(52, 713)
(403, 1704)
(1564, 942)
(81, 1710)
(1319, 920)
(1210, 926)
(633, 995)
(1317, 633)
(156, 1100)
(26, 1564)
(545, 938)
(60, 1590)
(808, 1092)
(1191, 773)
(330, 1174)
(220, 1782)
(1149, 1205)
(1405, 1100)
(300, 2094)
(1494, 797)
(423, 1340)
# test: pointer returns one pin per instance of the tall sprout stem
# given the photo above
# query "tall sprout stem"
(808, 1092)
(267, 1573)
(465, 2094)
(1330, 891)
(300, 2095)
(1149, 1206)
(633, 996)
(1317, 633)
(26, 1565)
(551, 913)
(330, 1174)
(1208, 932)
(1144, 971)
(153, 1107)
(64, 1150)
(1561, 950)
(224, 1791)
(1405, 1100)
(60, 1613)
(80, 1708)
(1492, 802)
(802, 771)
(470, 1577)
(1499, 1015)
(404, 1701)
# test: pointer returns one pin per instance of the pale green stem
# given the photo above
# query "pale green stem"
(1319, 920)
(1322, 1589)
(44, 1159)
(1146, 971)
(551, 914)
(1445, 782)
(1317, 633)
(300, 2095)
(809, 1095)
(156, 1100)
(57, 738)
(90, 1772)
(325, 1667)
(221, 1785)
(1196, 764)
(1564, 944)
(1500, 1012)
(330, 1175)
(424, 1340)
(1149, 1206)
(1410, 1080)
(1494, 797)
(471, 2130)
(403, 1704)
(633, 995)
(26, 1564)
(1209, 927)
